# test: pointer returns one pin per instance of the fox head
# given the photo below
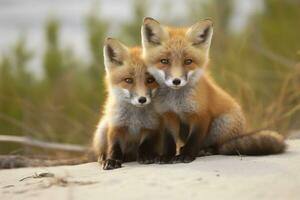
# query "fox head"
(176, 56)
(127, 73)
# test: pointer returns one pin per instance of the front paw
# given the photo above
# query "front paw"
(146, 159)
(181, 158)
(111, 164)
(164, 159)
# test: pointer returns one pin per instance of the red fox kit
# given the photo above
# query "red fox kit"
(129, 127)
(208, 116)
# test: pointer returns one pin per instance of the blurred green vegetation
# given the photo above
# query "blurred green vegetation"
(259, 66)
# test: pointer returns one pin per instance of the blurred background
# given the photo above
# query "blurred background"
(51, 64)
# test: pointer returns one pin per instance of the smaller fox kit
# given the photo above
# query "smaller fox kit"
(129, 128)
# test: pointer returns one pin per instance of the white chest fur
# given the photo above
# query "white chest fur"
(135, 118)
(179, 101)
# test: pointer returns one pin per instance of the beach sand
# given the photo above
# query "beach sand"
(212, 177)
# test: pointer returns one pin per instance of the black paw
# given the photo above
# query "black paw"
(164, 160)
(146, 159)
(111, 164)
(181, 158)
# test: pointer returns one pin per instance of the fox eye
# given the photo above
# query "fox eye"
(128, 80)
(164, 61)
(150, 80)
(188, 61)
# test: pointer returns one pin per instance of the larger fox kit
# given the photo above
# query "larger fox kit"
(129, 128)
(208, 116)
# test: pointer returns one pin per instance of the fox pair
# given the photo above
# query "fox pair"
(163, 105)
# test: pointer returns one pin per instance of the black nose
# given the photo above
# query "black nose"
(176, 81)
(142, 100)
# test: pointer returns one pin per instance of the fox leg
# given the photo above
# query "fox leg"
(188, 152)
(170, 137)
(184, 134)
(100, 141)
(197, 132)
(114, 155)
(184, 131)
(147, 150)
(168, 148)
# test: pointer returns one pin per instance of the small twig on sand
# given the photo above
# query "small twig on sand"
(54, 180)
(63, 182)
(40, 175)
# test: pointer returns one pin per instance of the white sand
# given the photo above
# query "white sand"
(213, 177)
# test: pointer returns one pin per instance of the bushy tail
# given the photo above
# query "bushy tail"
(257, 143)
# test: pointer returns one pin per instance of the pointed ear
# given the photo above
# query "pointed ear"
(114, 53)
(200, 34)
(153, 33)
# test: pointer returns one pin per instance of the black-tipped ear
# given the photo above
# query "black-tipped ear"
(153, 32)
(200, 34)
(114, 53)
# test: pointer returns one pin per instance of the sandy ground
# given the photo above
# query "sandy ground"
(212, 177)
